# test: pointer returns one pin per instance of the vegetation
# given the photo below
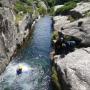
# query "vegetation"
(66, 8)
(55, 35)
(23, 6)
(51, 11)
(42, 11)
(50, 3)
(64, 1)
(55, 80)
(27, 6)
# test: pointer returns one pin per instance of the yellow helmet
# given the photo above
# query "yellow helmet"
(20, 66)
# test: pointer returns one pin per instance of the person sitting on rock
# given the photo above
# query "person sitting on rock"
(70, 45)
(60, 45)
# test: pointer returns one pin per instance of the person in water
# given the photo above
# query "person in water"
(19, 71)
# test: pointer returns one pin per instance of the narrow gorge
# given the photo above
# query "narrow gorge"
(44, 44)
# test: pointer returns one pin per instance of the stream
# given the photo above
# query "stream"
(34, 60)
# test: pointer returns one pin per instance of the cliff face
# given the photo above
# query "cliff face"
(73, 67)
(11, 34)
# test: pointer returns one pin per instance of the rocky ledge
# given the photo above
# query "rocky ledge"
(73, 69)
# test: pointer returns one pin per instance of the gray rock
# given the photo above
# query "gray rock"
(81, 32)
(60, 21)
(72, 29)
(11, 35)
(75, 70)
(82, 7)
(8, 3)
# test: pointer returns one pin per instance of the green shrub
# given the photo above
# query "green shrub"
(23, 1)
(27, 1)
(51, 11)
(55, 80)
(50, 3)
(23, 6)
(19, 6)
(42, 11)
(66, 8)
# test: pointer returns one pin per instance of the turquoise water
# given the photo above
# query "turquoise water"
(35, 61)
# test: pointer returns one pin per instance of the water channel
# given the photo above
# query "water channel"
(35, 61)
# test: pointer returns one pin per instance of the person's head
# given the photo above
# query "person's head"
(20, 69)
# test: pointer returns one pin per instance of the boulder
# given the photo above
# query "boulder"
(74, 69)
(81, 32)
(79, 29)
(60, 21)
(82, 7)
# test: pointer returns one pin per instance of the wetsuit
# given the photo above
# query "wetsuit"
(19, 71)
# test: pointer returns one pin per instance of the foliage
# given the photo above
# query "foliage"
(27, 1)
(66, 8)
(64, 1)
(51, 11)
(55, 79)
(42, 11)
(50, 3)
(23, 5)
(55, 35)
(19, 6)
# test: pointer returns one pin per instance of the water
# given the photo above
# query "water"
(35, 61)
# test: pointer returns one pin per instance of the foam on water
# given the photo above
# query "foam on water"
(11, 78)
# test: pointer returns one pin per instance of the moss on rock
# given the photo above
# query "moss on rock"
(55, 80)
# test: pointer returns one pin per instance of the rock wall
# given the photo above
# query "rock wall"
(11, 34)
(74, 70)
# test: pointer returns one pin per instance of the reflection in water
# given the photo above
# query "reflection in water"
(34, 60)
